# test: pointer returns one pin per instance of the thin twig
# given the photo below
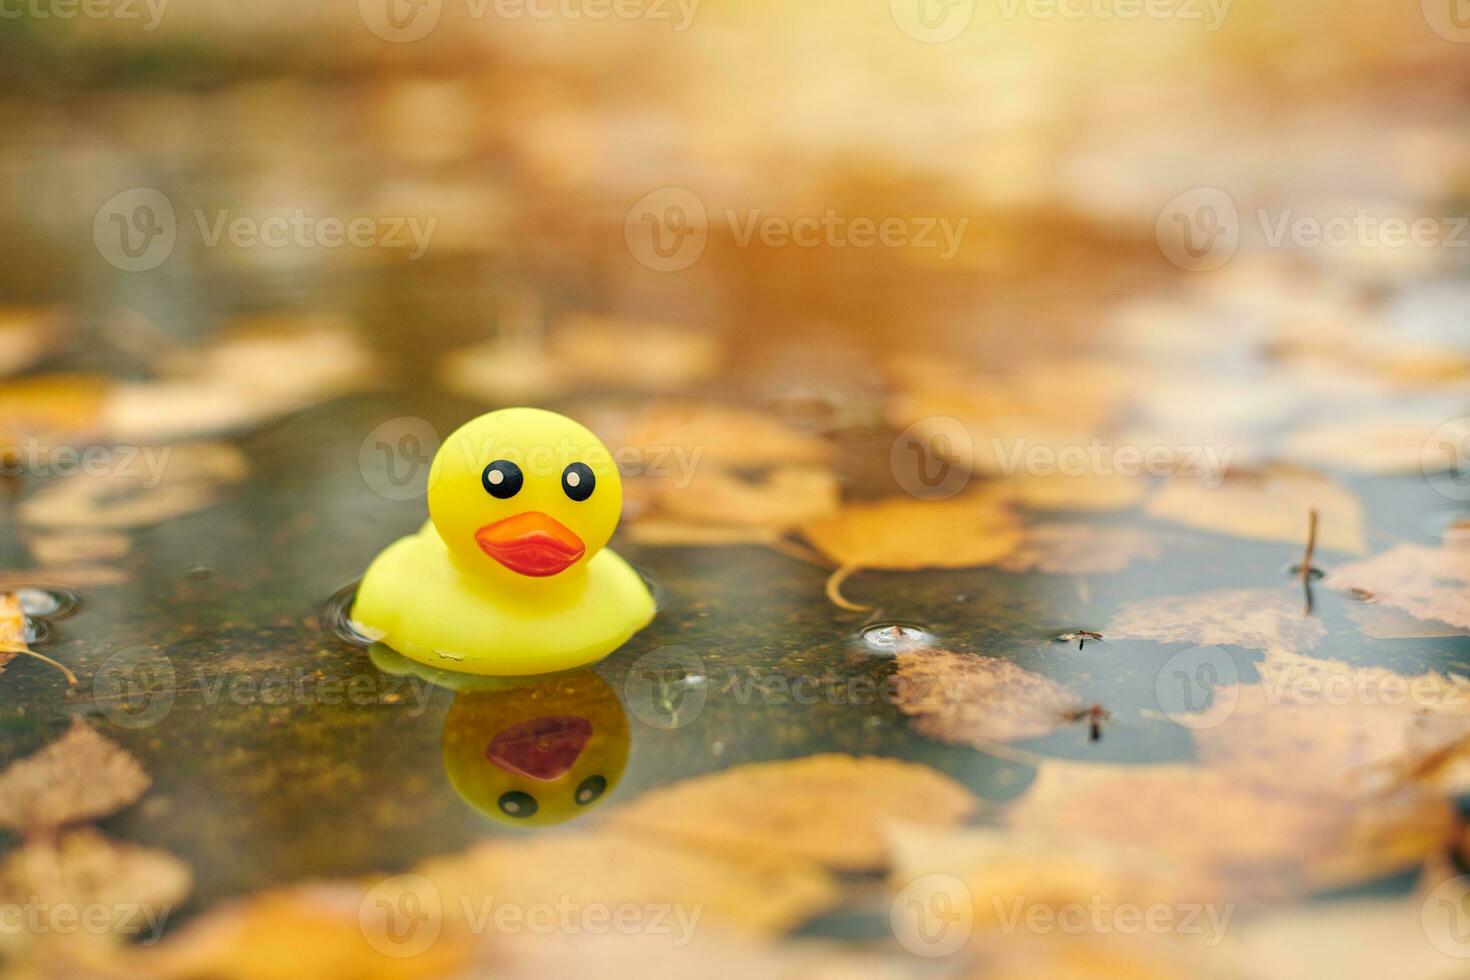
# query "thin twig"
(19, 648)
(1307, 559)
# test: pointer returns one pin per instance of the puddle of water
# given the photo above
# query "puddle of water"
(896, 637)
(39, 603)
(336, 619)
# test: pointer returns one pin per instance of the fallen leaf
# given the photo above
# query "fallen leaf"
(783, 810)
(135, 889)
(974, 700)
(62, 577)
(78, 547)
(50, 408)
(314, 930)
(1270, 504)
(1387, 623)
(904, 533)
(263, 368)
(784, 497)
(81, 776)
(1257, 619)
(1083, 492)
(659, 532)
(28, 333)
(1227, 839)
(636, 862)
(1427, 583)
(1080, 549)
(673, 438)
(1374, 444)
(163, 482)
(12, 629)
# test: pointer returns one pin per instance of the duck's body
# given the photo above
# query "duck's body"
(510, 575)
(417, 599)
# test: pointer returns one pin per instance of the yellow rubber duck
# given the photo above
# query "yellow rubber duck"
(510, 575)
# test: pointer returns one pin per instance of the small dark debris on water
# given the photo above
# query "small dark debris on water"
(1095, 714)
(1081, 636)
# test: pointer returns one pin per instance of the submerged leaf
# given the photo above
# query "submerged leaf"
(1080, 549)
(1257, 619)
(974, 700)
(783, 810)
(81, 776)
(904, 533)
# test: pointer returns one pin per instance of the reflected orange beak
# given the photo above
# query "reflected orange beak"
(532, 543)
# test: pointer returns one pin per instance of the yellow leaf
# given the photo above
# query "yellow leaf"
(1081, 492)
(783, 810)
(1271, 504)
(904, 533)
(784, 497)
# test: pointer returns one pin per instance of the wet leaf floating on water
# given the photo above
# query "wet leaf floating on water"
(1383, 622)
(670, 440)
(52, 408)
(78, 547)
(1229, 838)
(974, 700)
(313, 930)
(784, 497)
(1257, 619)
(783, 810)
(14, 642)
(1373, 444)
(1269, 504)
(28, 333)
(905, 534)
(81, 776)
(758, 890)
(1085, 492)
(659, 532)
(163, 482)
(1430, 584)
(582, 351)
(1080, 549)
(263, 368)
(84, 870)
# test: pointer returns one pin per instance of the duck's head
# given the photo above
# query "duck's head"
(523, 494)
(540, 753)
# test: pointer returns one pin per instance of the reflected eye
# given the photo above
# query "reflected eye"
(502, 479)
(590, 789)
(577, 481)
(517, 804)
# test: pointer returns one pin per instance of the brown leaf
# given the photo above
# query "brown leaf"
(1080, 549)
(173, 480)
(1257, 619)
(1427, 583)
(1228, 838)
(681, 435)
(136, 887)
(78, 547)
(783, 810)
(1269, 504)
(27, 333)
(81, 776)
(12, 629)
(974, 700)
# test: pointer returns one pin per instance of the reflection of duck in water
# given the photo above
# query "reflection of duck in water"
(528, 751)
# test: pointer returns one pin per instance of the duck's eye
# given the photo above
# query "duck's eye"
(577, 481)
(502, 479)
(517, 804)
(590, 789)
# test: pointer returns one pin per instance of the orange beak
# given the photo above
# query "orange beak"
(531, 543)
